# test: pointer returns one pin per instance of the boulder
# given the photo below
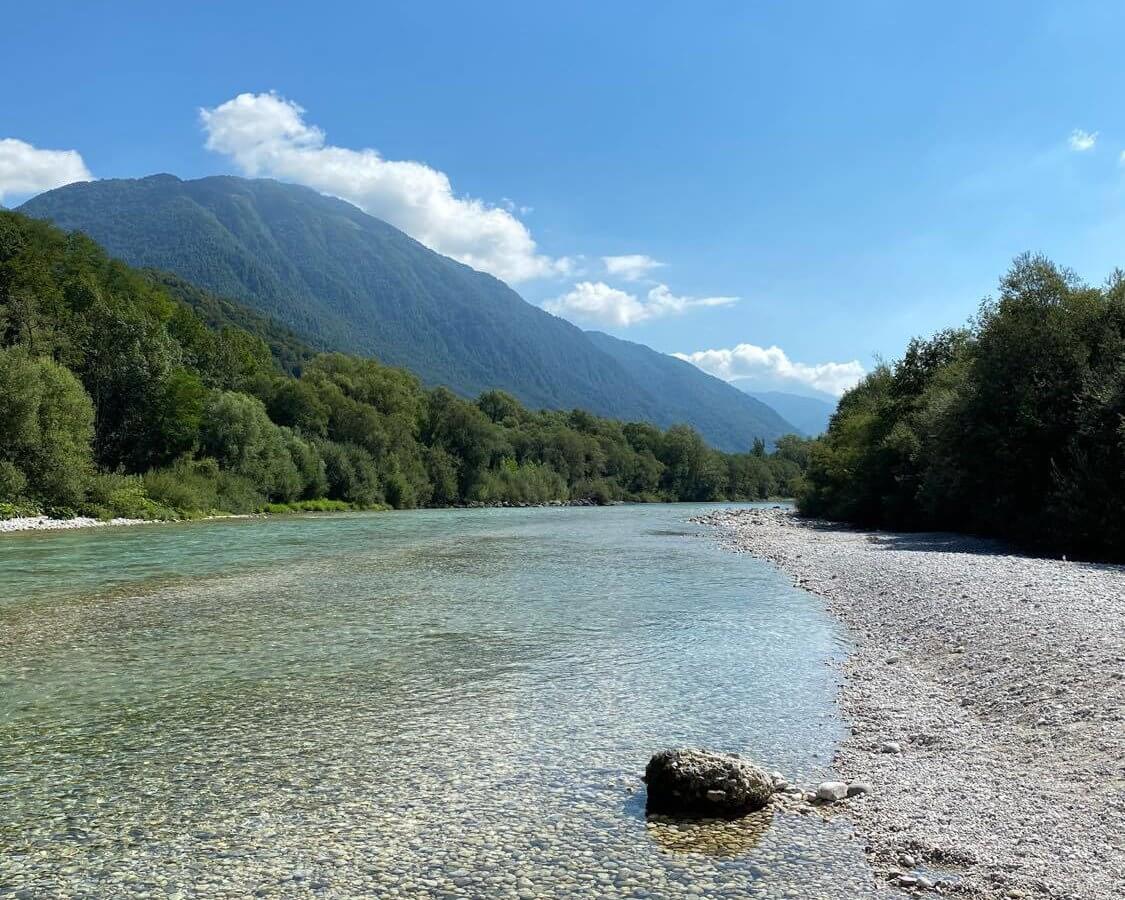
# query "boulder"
(700, 783)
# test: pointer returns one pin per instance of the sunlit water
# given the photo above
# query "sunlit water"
(439, 703)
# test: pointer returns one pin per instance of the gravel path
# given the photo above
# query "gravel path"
(986, 694)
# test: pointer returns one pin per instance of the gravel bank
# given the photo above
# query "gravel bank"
(45, 523)
(986, 695)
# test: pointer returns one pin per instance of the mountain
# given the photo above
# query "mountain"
(344, 280)
(810, 414)
(691, 394)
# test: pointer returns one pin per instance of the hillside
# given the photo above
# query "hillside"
(347, 281)
(810, 414)
(691, 394)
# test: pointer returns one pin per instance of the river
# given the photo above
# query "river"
(427, 703)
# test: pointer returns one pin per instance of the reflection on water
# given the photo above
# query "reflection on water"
(444, 703)
(715, 837)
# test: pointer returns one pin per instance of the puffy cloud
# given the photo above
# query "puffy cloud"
(596, 301)
(27, 170)
(1082, 140)
(772, 365)
(265, 134)
(631, 267)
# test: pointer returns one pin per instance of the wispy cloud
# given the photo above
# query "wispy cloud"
(632, 266)
(598, 302)
(1081, 141)
(26, 170)
(266, 134)
(772, 364)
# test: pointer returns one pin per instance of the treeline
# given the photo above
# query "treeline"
(1013, 426)
(131, 393)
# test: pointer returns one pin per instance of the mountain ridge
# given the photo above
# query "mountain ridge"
(348, 281)
(810, 414)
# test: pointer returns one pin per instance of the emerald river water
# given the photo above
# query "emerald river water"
(432, 703)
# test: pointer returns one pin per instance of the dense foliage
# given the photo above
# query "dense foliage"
(130, 393)
(1013, 426)
(346, 281)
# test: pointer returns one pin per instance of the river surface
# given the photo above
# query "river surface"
(433, 703)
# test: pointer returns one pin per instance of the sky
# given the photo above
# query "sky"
(781, 193)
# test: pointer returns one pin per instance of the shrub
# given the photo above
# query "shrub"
(124, 496)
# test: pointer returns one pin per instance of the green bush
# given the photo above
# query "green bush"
(598, 490)
(320, 505)
(514, 483)
(18, 509)
(125, 496)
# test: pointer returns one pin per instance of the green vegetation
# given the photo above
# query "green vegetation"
(346, 281)
(1013, 426)
(130, 393)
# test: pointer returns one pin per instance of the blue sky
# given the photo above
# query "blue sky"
(852, 174)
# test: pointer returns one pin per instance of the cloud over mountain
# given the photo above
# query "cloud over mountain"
(26, 169)
(773, 365)
(598, 302)
(266, 134)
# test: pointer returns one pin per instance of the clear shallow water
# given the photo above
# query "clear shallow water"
(426, 703)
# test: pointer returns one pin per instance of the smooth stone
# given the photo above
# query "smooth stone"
(831, 791)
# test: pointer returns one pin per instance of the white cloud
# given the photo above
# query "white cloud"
(265, 134)
(631, 267)
(27, 170)
(1082, 140)
(596, 301)
(771, 364)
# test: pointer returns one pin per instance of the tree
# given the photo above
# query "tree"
(46, 424)
(239, 435)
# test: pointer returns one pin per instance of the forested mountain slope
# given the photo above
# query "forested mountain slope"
(347, 281)
(690, 394)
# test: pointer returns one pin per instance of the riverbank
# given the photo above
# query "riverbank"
(46, 523)
(986, 698)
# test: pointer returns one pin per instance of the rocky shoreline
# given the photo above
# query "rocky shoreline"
(46, 523)
(986, 698)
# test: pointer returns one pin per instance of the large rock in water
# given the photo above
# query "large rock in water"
(702, 783)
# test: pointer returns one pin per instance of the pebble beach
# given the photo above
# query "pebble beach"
(985, 695)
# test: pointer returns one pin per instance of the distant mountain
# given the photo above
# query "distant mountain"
(344, 280)
(809, 414)
(691, 394)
